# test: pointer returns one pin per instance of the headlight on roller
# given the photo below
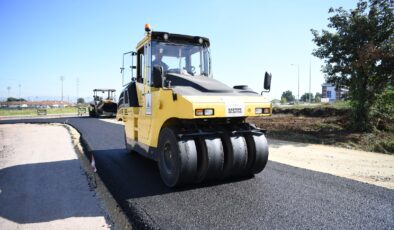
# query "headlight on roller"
(204, 112)
(208, 112)
(262, 110)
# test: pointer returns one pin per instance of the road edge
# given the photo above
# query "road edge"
(115, 214)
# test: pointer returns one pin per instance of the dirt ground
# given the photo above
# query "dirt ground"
(42, 185)
(368, 167)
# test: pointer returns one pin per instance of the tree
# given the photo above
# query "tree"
(288, 95)
(318, 97)
(80, 100)
(359, 54)
(305, 97)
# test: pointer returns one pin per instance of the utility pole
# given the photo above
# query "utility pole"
(62, 79)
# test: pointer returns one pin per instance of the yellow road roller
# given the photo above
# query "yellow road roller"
(177, 114)
(103, 106)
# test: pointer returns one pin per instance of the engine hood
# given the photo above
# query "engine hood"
(199, 83)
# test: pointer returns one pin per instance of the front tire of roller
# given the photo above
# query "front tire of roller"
(236, 154)
(257, 152)
(177, 158)
(211, 158)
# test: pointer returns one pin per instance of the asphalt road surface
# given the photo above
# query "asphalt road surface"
(281, 197)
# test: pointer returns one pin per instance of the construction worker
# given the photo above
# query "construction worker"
(158, 60)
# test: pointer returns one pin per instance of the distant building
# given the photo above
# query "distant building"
(331, 94)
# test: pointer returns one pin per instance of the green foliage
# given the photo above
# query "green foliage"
(341, 105)
(80, 100)
(288, 95)
(11, 99)
(305, 97)
(382, 111)
(359, 54)
(318, 97)
(283, 100)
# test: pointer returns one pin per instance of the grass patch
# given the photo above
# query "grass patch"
(336, 105)
(31, 112)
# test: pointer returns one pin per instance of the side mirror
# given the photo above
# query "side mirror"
(267, 81)
(157, 76)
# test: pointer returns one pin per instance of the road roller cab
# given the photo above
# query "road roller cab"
(191, 124)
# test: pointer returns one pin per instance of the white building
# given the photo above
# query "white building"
(331, 94)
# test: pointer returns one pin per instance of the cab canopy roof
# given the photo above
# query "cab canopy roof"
(179, 38)
(104, 90)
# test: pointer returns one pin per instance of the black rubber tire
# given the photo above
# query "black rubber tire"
(210, 158)
(92, 113)
(128, 147)
(235, 155)
(177, 158)
(257, 152)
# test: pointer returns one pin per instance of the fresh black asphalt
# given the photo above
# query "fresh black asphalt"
(281, 197)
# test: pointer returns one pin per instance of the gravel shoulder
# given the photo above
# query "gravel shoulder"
(42, 184)
(368, 167)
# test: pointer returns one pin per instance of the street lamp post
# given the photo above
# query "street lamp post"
(8, 95)
(77, 89)
(8, 89)
(310, 78)
(20, 100)
(298, 79)
(62, 79)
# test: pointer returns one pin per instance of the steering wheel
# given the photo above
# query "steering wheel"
(193, 70)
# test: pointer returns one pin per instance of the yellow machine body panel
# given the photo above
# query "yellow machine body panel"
(145, 128)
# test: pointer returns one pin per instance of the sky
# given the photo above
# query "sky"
(83, 41)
